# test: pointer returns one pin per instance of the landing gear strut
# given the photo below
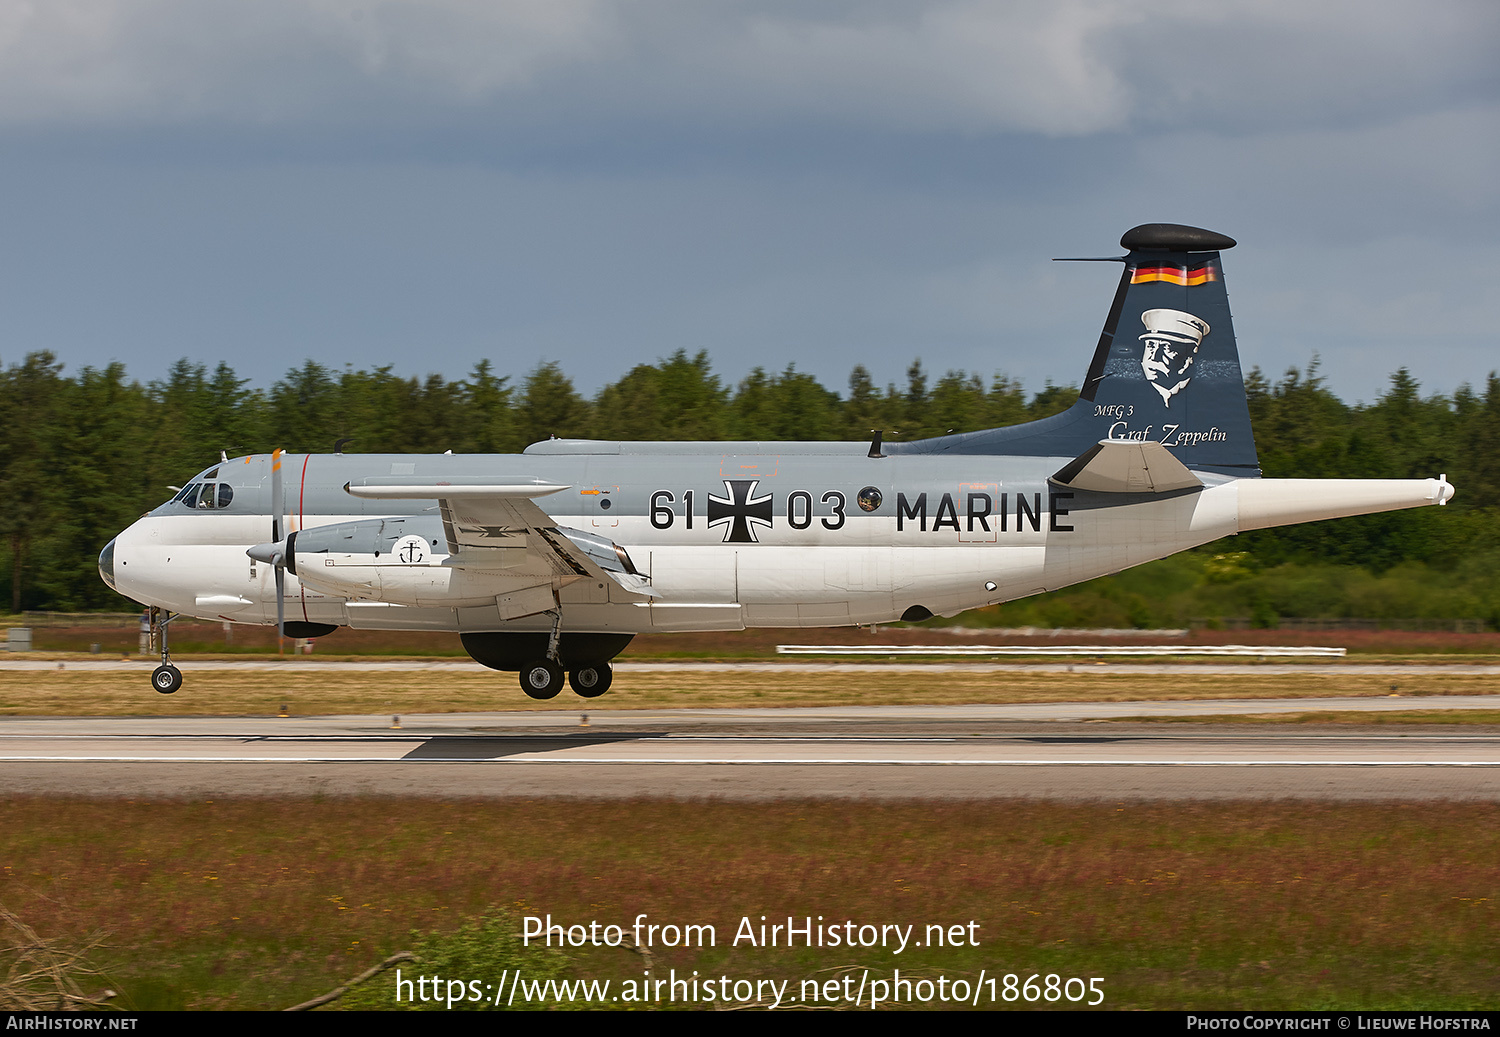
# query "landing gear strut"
(166, 678)
(543, 679)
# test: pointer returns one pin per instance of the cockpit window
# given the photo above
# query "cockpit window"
(206, 496)
(205, 492)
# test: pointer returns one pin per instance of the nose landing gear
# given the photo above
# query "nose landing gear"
(166, 678)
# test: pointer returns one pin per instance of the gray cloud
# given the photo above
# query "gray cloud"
(825, 182)
(1070, 67)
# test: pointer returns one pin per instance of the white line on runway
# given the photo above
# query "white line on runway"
(786, 761)
(417, 737)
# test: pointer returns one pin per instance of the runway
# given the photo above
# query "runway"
(144, 665)
(1052, 750)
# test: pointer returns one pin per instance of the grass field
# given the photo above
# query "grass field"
(262, 904)
(75, 692)
(62, 634)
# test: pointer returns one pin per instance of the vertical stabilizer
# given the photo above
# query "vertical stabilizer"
(1166, 369)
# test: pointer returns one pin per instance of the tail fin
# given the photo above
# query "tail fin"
(1166, 368)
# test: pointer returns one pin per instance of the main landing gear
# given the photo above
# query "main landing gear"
(592, 681)
(580, 659)
(166, 678)
(543, 678)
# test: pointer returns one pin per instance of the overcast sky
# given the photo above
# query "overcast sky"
(425, 183)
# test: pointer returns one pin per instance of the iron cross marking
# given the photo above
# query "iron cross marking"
(493, 532)
(739, 510)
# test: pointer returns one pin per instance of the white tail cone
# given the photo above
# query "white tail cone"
(1282, 502)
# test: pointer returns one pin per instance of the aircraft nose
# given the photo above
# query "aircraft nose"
(107, 565)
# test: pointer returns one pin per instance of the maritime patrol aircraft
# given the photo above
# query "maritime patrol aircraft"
(550, 561)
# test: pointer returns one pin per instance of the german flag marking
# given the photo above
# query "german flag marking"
(1175, 274)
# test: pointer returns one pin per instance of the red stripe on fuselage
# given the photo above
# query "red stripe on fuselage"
(301, 494)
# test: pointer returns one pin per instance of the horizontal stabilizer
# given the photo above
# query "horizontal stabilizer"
(1127, 466)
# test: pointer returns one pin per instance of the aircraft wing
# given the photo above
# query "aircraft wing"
(1127, 466)
(501, 527)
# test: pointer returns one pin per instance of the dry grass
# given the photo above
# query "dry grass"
(1360, 718)
(74, 692)
(44, 975)
(261, 904)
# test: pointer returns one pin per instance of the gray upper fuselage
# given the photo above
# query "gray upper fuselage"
(814, 489)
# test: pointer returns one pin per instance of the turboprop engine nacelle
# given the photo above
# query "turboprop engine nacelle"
(400, 560)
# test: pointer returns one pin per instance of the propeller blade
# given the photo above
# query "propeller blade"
(278, 549)
(280, 602)
(278, 496)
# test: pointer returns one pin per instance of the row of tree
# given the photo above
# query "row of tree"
(81, 456)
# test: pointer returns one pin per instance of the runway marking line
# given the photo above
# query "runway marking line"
(756, 763)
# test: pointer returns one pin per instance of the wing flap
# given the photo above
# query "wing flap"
(500, 526)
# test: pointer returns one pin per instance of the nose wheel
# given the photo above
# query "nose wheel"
(166, 678)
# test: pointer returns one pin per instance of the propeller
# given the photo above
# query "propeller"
(278, 551)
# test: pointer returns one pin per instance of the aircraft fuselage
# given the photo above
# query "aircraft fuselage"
(725, 541)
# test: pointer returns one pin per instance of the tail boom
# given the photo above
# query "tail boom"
(1264, 503)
